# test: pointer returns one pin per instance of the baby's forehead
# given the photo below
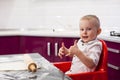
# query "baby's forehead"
(89, 22)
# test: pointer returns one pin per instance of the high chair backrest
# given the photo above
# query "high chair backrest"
(101, 70)
(103, 58)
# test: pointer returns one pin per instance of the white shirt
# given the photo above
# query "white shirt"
(91, 49)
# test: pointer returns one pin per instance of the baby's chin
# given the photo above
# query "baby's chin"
(85, 40)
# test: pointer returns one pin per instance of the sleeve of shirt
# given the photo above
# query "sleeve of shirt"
(95, 52)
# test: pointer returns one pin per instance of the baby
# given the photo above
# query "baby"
(87, 50)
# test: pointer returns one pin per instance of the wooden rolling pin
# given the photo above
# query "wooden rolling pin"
(32, 66)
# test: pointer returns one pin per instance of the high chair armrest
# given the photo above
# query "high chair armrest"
(63, 66)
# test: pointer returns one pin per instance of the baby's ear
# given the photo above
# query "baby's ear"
(99, 31)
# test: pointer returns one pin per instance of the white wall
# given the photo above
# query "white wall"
(60, 14)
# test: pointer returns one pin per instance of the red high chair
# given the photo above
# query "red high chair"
(99, 74)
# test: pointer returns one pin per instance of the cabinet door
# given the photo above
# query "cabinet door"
(41, 45)
(9, 44)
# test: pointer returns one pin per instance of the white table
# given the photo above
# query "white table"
(46, 72)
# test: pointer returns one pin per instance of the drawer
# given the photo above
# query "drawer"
(114, 58)
(113, 45)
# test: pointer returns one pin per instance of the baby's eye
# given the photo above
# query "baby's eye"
(89, 29)
(81, 29)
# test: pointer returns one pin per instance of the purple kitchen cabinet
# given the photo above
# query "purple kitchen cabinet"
(46, 46)
(9, 45)
(113, 60)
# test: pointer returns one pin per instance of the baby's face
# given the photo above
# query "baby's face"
(88, 32)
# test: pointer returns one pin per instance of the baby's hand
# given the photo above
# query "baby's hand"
(73, 49)
(62, 51)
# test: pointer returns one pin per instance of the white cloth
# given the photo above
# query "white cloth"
(92, 49)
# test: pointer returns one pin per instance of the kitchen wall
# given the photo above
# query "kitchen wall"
(58, 14)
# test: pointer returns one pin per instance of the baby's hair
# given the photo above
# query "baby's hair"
(93, 19)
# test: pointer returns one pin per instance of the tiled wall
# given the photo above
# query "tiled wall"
(58, 14)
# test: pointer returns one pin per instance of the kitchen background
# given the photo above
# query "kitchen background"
(40, 26)
(58, 14)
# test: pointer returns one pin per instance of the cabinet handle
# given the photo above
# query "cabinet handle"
(56, 49)
(113, 66)
(48, 48)
(113, 50)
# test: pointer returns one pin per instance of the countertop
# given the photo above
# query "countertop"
(39, 32)
(52, 33)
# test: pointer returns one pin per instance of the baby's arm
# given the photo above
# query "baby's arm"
(85, 59)
(74, 50)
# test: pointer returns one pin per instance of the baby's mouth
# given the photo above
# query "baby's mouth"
(85, 37)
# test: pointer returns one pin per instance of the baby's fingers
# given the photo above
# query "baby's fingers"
(60, 55)
(75, 42)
